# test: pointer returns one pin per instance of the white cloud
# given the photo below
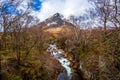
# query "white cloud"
(23, 5)
(65, 7)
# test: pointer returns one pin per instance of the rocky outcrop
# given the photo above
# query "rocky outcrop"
(56, 21)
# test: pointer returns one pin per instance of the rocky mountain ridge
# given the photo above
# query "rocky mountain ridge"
(56, 20)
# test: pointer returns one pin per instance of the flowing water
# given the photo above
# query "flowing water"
(59, 55)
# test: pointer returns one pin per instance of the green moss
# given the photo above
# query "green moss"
(14, 77)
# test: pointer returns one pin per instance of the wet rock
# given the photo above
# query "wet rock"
(75, 65)
(75, 76)
(63, 76)
(78, 74)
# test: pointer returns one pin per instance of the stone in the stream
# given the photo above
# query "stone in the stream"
(63, 76)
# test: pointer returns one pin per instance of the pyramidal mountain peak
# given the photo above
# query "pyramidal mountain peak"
(56, 20)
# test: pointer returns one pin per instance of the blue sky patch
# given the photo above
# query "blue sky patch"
(36, 4)
(9, 8)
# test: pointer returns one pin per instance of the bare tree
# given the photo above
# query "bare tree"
(16, 29)
(103, 10)
(108, 11)
(115, 14)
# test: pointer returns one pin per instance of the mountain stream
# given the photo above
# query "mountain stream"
(59, 55)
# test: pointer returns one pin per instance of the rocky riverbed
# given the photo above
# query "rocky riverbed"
(71, 67)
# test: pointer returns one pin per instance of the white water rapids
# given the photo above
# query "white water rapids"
(58, 54)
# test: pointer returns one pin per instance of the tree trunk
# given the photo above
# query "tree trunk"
(105, 21)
